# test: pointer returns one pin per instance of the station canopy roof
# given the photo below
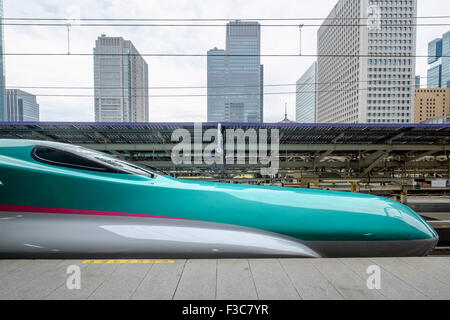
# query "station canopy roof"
(290, 133)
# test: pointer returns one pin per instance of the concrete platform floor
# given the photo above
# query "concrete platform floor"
(233, 279)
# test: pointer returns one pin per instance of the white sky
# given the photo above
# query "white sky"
(168, 71)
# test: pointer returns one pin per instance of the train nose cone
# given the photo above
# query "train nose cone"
(418, 226)
(423, 237)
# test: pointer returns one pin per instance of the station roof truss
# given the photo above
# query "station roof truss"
(359, 150)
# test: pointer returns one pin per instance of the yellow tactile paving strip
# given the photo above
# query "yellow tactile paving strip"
(127, 261)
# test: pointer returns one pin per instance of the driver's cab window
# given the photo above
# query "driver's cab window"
(84, 159)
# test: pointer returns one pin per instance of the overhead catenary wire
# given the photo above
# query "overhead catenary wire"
(221, 55)
(214, 19)
(218, 25)
(188, 95)
(71, 21)
(211, 95)
(199, 22)
(212, 87)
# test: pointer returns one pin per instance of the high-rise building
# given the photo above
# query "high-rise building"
(418, 82)
(261, 92)
(21, 106)
(121, 81)
(2, 69)
(217, 82)
(439, 62)
(434, 74)
(306, 96)
(431, 103)
(366, 70)
(235, 76)
(445, 82)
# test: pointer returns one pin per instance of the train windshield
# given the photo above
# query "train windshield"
(120, 164)
(85, 159)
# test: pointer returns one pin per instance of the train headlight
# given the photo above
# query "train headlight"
(393, 213)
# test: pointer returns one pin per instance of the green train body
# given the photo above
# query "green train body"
(65, 208)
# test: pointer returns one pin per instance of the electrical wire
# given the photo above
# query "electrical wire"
(211, 87)
(209, 95)
(220, 25)
(213, 19)
(223, 55)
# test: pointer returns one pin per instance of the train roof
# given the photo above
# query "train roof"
(27, 142)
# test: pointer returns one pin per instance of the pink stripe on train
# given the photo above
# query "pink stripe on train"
(14, 208)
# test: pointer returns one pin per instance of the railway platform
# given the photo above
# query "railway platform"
(226, 279)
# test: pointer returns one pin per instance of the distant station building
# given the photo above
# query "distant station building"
(306, 96)
(121, 81)
(366, 73)
(439, 62)
(440, 120)
(431, 104)
(235, 76)
(21, 106)
(286, 120)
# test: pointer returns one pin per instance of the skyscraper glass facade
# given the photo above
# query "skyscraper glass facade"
(418, 82)
(434, 50)
(21, 106)
(434, 75)
(216, 85)
(2, 70)
(121, 81)
(235, 76)
(439, 69)
(306, 96)
(372, 80)
(445, 81)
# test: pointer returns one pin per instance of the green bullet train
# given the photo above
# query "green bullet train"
(64, 201)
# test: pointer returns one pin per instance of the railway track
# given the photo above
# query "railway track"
(440, 251)
(442, 228)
